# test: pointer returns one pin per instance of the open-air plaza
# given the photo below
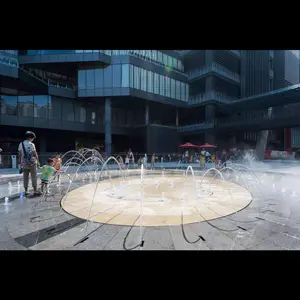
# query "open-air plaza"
(98, 204)
(149, 150)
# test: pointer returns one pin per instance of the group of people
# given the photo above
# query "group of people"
(29, 164)
(129, 160)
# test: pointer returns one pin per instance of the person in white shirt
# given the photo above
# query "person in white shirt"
(29, 160)
(127, 161)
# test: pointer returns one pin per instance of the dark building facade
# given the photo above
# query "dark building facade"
(147, 100)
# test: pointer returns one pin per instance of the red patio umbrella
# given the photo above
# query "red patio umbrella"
(207, 146)
(188, 145)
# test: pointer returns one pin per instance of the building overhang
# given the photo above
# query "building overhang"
(279, 97)
(75, 58)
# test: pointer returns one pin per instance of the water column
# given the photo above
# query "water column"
(108, 126)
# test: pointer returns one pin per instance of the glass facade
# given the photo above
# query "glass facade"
(153, 56)
(125, 75)
(62, 109)
(12, 52)
(40, 52)
(8, 59)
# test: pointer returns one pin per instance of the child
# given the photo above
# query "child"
(48, 171)
(57, 165)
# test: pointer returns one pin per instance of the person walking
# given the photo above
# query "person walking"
(29, 160)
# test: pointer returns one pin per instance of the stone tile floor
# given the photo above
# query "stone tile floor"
(270, 222)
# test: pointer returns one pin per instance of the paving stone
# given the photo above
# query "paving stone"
(215, 239)
(158, 238)
(286, 241)
(267, 246)
(126, 239)
(100, 238)
(188, 243)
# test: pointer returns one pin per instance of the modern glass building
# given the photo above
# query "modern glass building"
(147, 100)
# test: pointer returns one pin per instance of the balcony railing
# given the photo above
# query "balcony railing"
(199, 126)
(216, 68)
(291, 111)
(48, 82)
(138, 53)
(210, 96)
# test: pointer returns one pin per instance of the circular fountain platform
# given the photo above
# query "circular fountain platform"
(167, 200)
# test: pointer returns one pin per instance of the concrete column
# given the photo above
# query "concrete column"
(108, 126)
(261, 144)
(262, 140)
(177, 117)
(209, 84)
(209, 113)
(147, 114)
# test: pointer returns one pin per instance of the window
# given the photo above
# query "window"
(25, 106)
(78, 51)
(161, 85)
(186, 92)
(170, 61)
(137, 78)
(131, 81)
(159, 57)
(80, 113)
(116, 76)
(143, 80)
(180, 65)
(116, 52)
(154, 55)
(81, 80)
(168, 86)
(182, 91)
(125, 75)
(107, 52)
(150, 81)
(67, 111)
(107, 77)
(174, 62)
(156, 83)
(90, 79)
(41, 104)
(99, 79)
(165, 59)
(8, 105)
(177, 94)
(55, 108)
(173, 88)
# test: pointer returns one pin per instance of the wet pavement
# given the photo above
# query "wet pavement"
(270, 222)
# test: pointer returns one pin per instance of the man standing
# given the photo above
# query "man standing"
(28, 159)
